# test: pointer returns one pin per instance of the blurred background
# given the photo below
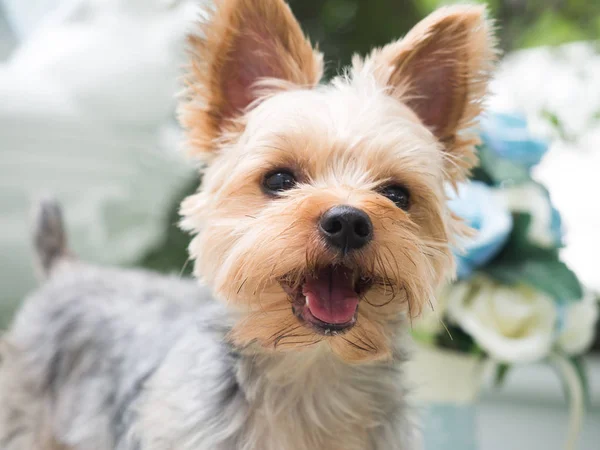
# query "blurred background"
(87, 113)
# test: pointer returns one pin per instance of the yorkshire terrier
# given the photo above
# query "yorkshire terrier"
(321, 228)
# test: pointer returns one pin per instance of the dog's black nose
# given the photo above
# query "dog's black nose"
(346, 228)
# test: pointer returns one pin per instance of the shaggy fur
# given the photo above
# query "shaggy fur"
(105, 359)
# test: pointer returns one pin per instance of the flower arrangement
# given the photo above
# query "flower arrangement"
(514, 301)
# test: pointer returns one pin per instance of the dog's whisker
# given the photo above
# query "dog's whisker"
(359, 347)
(185, 264)
(242, 285)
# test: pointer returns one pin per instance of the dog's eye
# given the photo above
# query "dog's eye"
(398, 194)
(279, 181)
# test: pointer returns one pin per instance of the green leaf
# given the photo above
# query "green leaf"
(479, 173)
(501, 170)
(521, 261)
(552, 118)
(501, 373)
(552, 277)
(519, 246)
(455, 338)
(558, 126)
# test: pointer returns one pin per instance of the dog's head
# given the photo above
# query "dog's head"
(322, 217)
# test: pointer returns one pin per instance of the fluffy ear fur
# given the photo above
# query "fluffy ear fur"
(244, 42)
(441, 71)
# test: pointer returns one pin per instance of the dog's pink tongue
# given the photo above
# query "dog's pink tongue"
(330, 295)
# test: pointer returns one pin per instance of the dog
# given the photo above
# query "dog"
(320, 230)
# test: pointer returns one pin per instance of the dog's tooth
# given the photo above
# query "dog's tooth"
(306, 300)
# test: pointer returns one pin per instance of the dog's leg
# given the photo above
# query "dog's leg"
(24, 420)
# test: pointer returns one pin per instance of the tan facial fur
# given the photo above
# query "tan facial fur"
(400, 116)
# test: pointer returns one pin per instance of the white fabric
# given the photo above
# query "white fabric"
(563, 81)
(87, 106)
(25, 15)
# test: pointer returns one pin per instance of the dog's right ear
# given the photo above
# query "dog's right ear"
(242, 43)
(441, 70)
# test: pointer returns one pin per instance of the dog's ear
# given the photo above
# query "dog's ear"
(440, 69)
(243, 43)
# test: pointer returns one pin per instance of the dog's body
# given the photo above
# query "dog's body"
(321, 227)
(103, 359)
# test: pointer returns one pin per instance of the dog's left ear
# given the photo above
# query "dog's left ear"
(243, 43)
(440, 69)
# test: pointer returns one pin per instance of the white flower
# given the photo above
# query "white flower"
(577, 333)
(512, 324)
(545, 227)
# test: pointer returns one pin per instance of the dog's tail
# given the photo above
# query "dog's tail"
(49, 236)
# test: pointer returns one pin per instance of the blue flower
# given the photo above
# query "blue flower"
(508, 137)
(482, 210)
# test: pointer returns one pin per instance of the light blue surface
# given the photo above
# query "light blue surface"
(450, 427)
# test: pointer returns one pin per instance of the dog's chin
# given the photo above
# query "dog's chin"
(327, 299)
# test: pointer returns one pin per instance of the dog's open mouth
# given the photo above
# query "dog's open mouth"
(327, 299)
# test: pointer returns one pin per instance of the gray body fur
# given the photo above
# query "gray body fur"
(102, 359)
